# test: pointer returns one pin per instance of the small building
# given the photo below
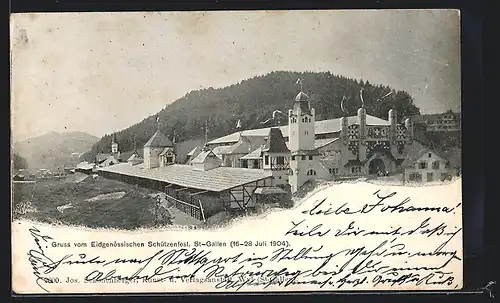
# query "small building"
(425, 165)
(85, 167)
(154, 147)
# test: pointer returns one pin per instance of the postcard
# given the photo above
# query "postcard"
(236, 151)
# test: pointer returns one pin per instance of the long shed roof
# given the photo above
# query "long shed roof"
(320, 127)
(216, 180)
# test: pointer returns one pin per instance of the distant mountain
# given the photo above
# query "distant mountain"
(54, 150)
(253, 101)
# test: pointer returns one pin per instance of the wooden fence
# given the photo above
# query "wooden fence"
(185, 202)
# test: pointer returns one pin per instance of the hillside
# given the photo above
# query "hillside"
(253, 100)
(54, 150)
(19, 162)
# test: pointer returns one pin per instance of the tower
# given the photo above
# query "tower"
(301, 121)
(301, 137)
(114, 145)
(362, 134)
(154, 147)
(393, 132)
(276, 156)
(114, 148)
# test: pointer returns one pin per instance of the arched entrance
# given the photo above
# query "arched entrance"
(376, 166)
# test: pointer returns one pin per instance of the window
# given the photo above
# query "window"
(447, 164)
(430, 155)
(293, 158)
(244, 163)
(303, 157)
(435, 165)
(430, 177)
(169, 159)
(310, 157)
(255, 163)
(266, 160)
(355, 169)
(311, 172)
(279, 177)
(306, 132)
(416, 177)
(422, 165)
(280, 160)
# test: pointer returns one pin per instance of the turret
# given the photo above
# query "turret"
(114, 145)
(362, 133)
(409, 130)
(392, 129)
(343, 130)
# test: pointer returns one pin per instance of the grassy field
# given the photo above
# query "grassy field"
(40, 201)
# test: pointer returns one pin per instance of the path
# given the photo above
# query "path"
(178, 217)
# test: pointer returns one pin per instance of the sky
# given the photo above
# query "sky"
(103, 72)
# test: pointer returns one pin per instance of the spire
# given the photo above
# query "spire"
(300, 82)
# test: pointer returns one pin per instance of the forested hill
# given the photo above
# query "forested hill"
(253, 101)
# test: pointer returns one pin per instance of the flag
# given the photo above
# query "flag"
(157, 119)
(298, 81)
(238, 124)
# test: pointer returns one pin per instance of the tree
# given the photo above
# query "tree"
(19, 162)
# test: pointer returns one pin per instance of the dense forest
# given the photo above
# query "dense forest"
(253, 101)
(19, 162)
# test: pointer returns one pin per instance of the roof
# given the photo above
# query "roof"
(256, 154)
(102, 157)
(126, 155)
(194, 151)
(85, 165)
(219, 150)
(275, 142)
(435, 117)
(301, 100)
(415, 151)
(158, 140)
(243, 146)
(217, 179)
(203, 156)
(319, 143)
(320, 127)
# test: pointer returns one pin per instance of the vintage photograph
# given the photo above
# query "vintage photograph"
(194, 120)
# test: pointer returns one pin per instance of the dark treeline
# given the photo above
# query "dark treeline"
(253, 101)
(19, 162)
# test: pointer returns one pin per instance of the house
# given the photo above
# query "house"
(425, 165)
(154, 147)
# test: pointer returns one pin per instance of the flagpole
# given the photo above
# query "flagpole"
(206, 132)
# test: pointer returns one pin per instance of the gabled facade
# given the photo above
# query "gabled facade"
(425, 165)
(153, 148)
(276, 156)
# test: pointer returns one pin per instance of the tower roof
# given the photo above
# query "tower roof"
(275, 142)
(158, 140)
(301, 97)
(302, 102)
